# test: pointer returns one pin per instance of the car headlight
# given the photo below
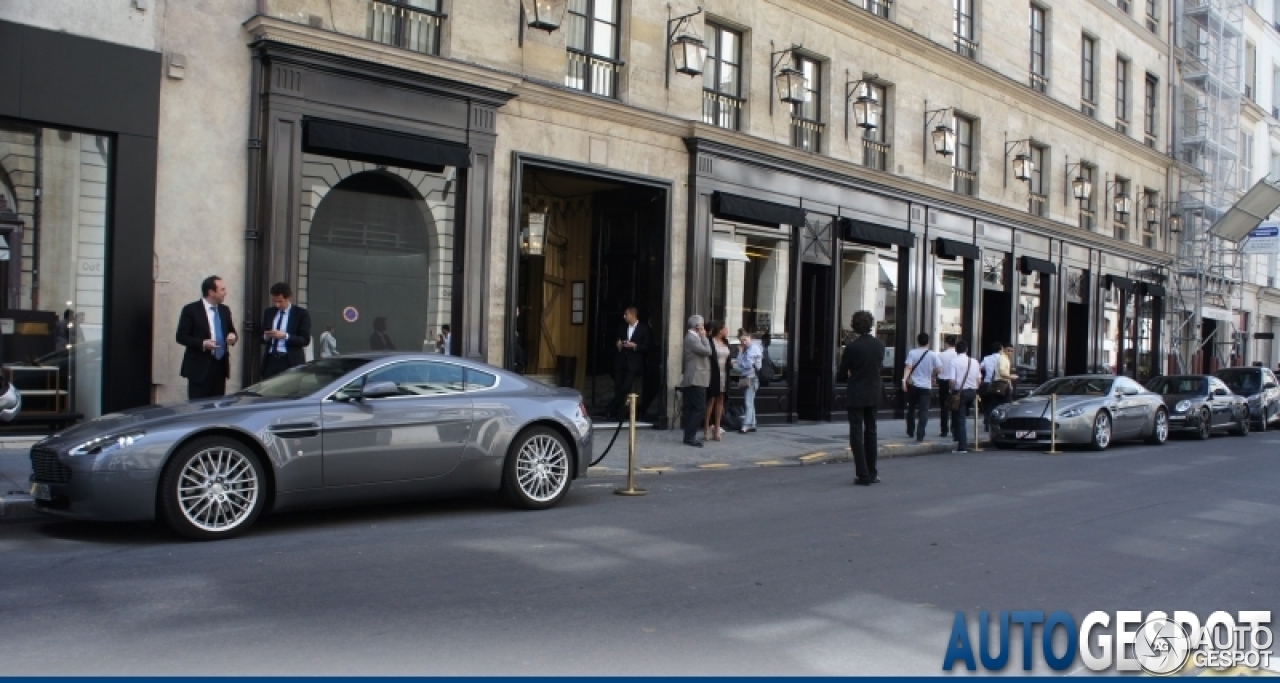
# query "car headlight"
(1182, 407)
(106, 444)
(1071, 412)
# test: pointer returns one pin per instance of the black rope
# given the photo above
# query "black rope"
(606, 448)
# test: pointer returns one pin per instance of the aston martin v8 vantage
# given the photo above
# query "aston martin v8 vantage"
(1094, 410)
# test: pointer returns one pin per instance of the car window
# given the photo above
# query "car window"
(478, 379)
(304, 380)
(421, 378)
(1175, 386)
(1076, 386)
(1243, 382)
(1124, 384)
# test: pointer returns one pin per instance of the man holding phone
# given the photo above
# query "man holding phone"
(632, 343)
(206, 330)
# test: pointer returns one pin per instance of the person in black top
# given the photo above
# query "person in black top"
(206, 330)
(632, 344)
(860, 365)
(286, 332)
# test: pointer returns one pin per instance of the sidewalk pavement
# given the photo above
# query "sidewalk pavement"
(657, 452)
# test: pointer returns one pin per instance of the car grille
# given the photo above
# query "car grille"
(47, 468)
(1026, 424)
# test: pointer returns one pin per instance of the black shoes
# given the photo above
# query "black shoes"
(861, 482)
(875, 480)
(695, 443)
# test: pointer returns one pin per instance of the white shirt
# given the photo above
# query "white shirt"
(211, 310)
(962, 364)
(989, 367)
(945, 358)
(281, 324)
(631, 329)
(921, 361)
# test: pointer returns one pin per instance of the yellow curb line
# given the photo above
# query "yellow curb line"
(659, 469)
(813, 456)
(714, 466)
(770, 463)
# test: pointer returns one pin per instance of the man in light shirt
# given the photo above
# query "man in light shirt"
(966, 372)
(989, 364)
(944, 377)
(917, 383)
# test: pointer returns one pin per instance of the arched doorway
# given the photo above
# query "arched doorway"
(368, 256)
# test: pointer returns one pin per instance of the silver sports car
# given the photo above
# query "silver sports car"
(1092, 409)
(348, 429)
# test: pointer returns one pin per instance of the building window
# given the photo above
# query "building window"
(880, 8)
(1150, 198)
(1089, 173)
(1149, 110)
(963, 170)
(410, 24)
(1088, 97)
(875, 141)
(1038, 199)
(1246, 160)
(592, 44)
(1153, 17)
(722, 78)
(1039, 75)
(1120, 222)
(1122, 94)
(1123, 5)
(806, 117)
(963, 28)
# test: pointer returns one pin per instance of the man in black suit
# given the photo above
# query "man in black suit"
(287, 332)
(632, 343)
(206, 330)
(860, 366)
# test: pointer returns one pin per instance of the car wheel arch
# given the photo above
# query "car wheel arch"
(245, 438)
(559, 429)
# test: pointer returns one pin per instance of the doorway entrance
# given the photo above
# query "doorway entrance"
(997, 302)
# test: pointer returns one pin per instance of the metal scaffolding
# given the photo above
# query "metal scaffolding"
(1208, 271)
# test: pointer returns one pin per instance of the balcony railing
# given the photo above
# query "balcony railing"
(806, 134)
(1039, 82)
(415, 25)
(406, 26)
(592, 74)
(966, 47)
(964, 181)
(1036, 204)
(875, 154)
(721, 110)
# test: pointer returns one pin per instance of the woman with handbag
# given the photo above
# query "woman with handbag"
(716, 392)
(750, 358)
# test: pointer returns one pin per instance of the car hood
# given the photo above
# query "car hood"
(1038, 406)
(146, 416)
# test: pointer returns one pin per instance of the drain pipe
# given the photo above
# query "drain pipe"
(252, 235)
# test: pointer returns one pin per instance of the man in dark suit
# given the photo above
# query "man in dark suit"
(206, 330)
(287, 332)
(860, 366)
(632, 344)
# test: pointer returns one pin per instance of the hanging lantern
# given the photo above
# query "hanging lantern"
(1122, 205)
(866, 111)
(534, 237)
(689, 54)
(1082, 188)
(1152, 214)
(544, 14)
(1023, 167)
(791, 84)
(1175, 223)
(944, 140)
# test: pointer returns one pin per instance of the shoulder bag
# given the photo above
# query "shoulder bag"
(953, 400)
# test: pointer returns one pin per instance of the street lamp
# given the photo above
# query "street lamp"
(1175, 223)
(1023, 166)
(943, 136)
(1121, 205)
(866, 108)
(1152, 215)
(1081, 188)
(534, 236)
(545, 15)
(944, 140)
(789, 82)
(688, 52)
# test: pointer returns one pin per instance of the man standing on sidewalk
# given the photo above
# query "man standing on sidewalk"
(860, 367)
(945, 379)
(966, 372)
(697, 375)
(917, 383)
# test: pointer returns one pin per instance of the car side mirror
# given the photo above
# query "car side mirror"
(380, 390)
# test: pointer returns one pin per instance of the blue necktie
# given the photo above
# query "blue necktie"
(221, 341)
(275, 343)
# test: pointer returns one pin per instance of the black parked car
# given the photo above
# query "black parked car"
(1259, 386)
(1201, 403)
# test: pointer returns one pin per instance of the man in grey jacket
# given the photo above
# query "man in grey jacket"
(697, 375)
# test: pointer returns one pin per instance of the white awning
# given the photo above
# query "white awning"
(726, 249)
(1253, 208)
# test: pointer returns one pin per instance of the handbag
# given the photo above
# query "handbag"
(1000, 388)
(953, 400)
(744, 382)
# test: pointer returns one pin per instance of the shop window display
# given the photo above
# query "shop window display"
(750, 278)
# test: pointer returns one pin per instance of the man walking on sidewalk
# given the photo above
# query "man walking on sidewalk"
(917, 383)
(945, 379)
(860, 367)
(966, 372)
(697, 375)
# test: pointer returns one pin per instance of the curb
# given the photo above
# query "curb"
(803, 460)
(17, 507)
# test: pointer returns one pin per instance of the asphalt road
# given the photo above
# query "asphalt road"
(768, 571)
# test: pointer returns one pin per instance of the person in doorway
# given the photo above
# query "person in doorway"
(988, 366)
(380, 340)
(966, 372)
(632, 344)
(62, 334)
(287, 332)
(328, 343)
(517, 347)
(718, 388)
(860, 369)
(696, 377)
(447, 341)
(917, 383)
(207, 332)
(750, 355)
(945, 379)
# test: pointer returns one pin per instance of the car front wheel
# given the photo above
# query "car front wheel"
(1159, 430)
(1206, 424)
(213, 488)
(1242, 425)
(1101, 431)
(538, 469)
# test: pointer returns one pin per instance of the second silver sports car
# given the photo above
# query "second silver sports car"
(1092, 409)
(348, 429)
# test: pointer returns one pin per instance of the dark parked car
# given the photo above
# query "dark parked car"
(1201, 403)
(1259, 386)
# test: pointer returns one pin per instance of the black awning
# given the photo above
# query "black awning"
(946, 248)
(862, 232)
(1031, 264)
(1264, 336)
(1152, 289)
(1121, 283)
(383, 147)
(754, 211)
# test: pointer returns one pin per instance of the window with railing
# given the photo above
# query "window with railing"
(964, 172)
(963, 27)
(1150, 198)
(806, 117)
(880, 8)
(1123, 5)
(1150, 92)
(1088, 68)
(1039, 75)
(592, 39)
(1153, 16)
(875, 141)
(409, 24)
(1120, 221)
(1088, 173)
(721, 78)
(1038, 186)
(1122, 94)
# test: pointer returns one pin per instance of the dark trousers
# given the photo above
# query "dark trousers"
(213, 384)
(917, 410)
(695, 404)
(274, 364)
(944, 390)
(862, 441)
(623, 379)
(959, 424)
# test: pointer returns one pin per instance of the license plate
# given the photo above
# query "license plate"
(41, 492)
(1026, 435)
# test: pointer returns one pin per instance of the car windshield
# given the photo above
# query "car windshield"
(1076, 386)
(304, 380)
(1243, 382)
(1174, 386)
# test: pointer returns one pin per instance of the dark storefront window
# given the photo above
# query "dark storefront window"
(721, 78)
(751, 274)
(593, 29)
(869, 282)
(1027, 349)
(54, 186)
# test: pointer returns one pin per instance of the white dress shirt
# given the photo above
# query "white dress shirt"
(281, 324)
(945, 358)
(962, 364)
(989, 367)
(631, 329)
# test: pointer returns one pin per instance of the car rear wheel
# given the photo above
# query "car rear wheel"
(1159, 430)
(1101, 431)
(1206, 424)
(1262, 424)
(538, 469)
(1242, 425)
(211, 489)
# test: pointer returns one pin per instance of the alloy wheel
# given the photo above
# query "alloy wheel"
(218, 489)
(1206, 424)
(1161, 430)
(1102, 431)
(542, 468)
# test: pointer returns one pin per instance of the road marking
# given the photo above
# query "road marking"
(813, 456)
(660, 469)
(770, 463)
(714, 466)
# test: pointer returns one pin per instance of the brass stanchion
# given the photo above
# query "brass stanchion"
(1053, 426)
(977, 435)
(631, 489)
